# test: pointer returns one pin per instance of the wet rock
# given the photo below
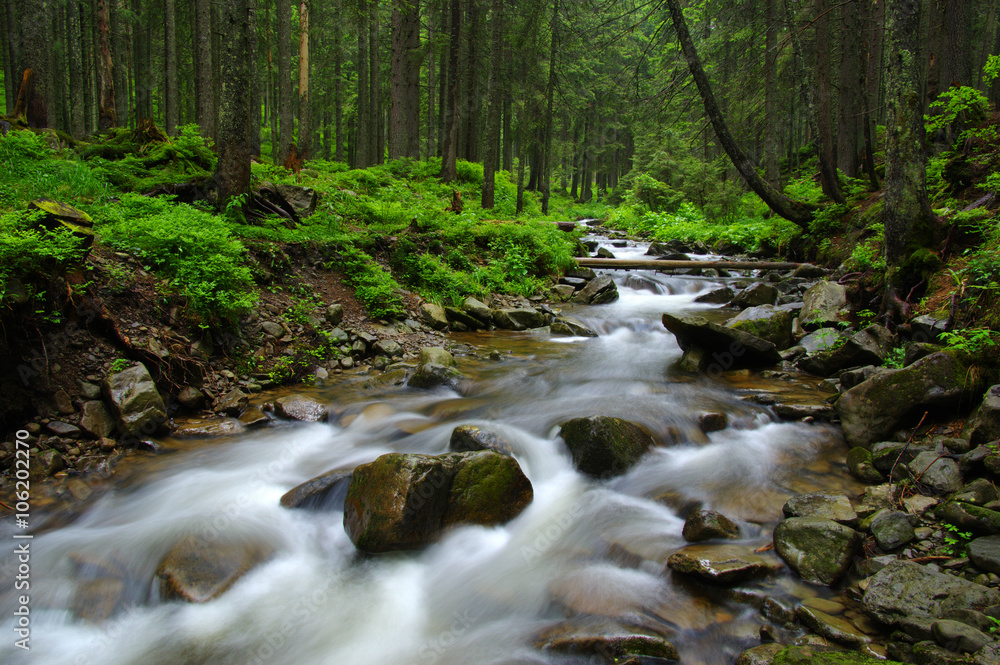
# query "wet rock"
(754, 295)
(821, 655)
(983, 425)
(98, 599)
(723, 348)
(836, 507)
(611, 641)
(477, 309)
(254, 416)
(867, 347)
(833, 627)
(708, 525)
(301, 407)
(233, 402)
(766, 322)
(581, 273)
(518, 318)
(876, 408)
(852, 377)
(885, 454)
(904, 589)
(62, 402)
(190, 398)
(972, 618)
(926, 328)
(325, 491)
(605, 253)
(824, 339)
(862, 467)
(45, 464)
(959, 637)
(334, 314)
(988, 655)
(808, 271)
(762, 654)
(914, 351)
(433, 375)
(722, 564)
(435, 355)
(570, 327)
(598, 291)
(198, 570)
(134, 401)
(892, 530)
(984, 553)
(823, 304)
(940, 474)
(803, 411)
(929, 653)
(401, 502)
(462, 321)
(977, 519)
(562, 291)
(388, 347)
(819, 550)
(207, 427)
(89, 391)
(466, 438)
(273, 329)
(61, 429)
(712, 421)
(718, 296)
(604, 446)
(434, 316)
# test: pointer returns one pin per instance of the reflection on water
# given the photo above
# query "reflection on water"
(583, 548)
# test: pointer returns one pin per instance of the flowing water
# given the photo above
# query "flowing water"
(479, 595)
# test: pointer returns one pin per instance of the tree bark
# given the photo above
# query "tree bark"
(304, 111)
(404, 68)
(106, 80)
(851, 86)
(170, 115)
(77, 77)
(363, 122)
(376, 149)
(906, 201)
(449, 150)
(203, 43)
(493, 109)
(338, 85)
(795, 211)
(285, 102)
(826, 145)
(232, 173)
(772, 172)
(550, 91)
(32, 101)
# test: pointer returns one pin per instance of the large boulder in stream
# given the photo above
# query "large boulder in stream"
(823, 304)
(867, 347)
(569, 327)
(599, 291)
(874, 409)
(755, 295)
(405, 501)
(198, 570)
(904, 590)
(134, 401)
(819, 550)
(720, 348)
(604, 446)
(302, 407)
(323, 491)
(519, 318)
(766, 322)
(723, 564)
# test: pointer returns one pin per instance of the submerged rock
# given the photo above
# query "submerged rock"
(604, 446)
(404, 501)
(570, 327)
(198, 570)
(707, 525)
(325, 490)
(467, 438)
(722, 564)
(301, 407)
(518, 318)
(611, 641)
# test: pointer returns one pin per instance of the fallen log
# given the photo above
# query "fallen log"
(640, 264)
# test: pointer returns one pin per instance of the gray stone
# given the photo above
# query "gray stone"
(581, 273)
(754, 295)
(302, 199)
(605, 446)
(983, 426)
(301, 407)
(724, 348)
(90, 390)
(600, 290)
(44, 464)
(708, 525)
(334, 314)
(459, 319)
(819, 550)
(601, 640)
(432, 375)
(876, 408)
(434, 316)
(388, 347)
(852, 377)
(808, 271)
(467, 438)
(867, 347)
(62, 402)
(325, 491)
(570, 327)
(977, 519)
(65, 430)
(96, 419)
(233, 402)
(823, 304)
(836, 507)
(207, 428)
(824, 339)
(190, 398)
(833, 627)
(766, 322)
(861, 465)
(988, 655)
(562, 291)
(273, 329)
(254, 416)
(927, 328)
(198, 570)
(905, 589)
(722, 564)
(984, 553)
(477, 309)
(892, 530)
(718, 296)
(957, 636)
(885, 454)
(940, 474)
(436, 355)
(134, 401)
(518, 318)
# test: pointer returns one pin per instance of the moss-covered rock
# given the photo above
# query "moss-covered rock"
(766, 322)
(819, 550)
(862, 467)
(605, 446)
(978, 520)
(813, 655)
(134, 401)
(488, 489)
(823, 304)
(468, 438)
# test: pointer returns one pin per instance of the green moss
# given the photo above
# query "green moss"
(817, 656)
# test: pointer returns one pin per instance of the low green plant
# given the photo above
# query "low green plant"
(895, 358)
(970, 340)
(373, 284)
(956, 541)
(120, 365)
(29, 253)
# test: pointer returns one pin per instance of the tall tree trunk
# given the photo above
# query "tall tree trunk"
(171, 115)
(851, 86)
(449, 151)
(772, 172)
(508, 134)
(906, 201)
(88, 23)
(826, 144)
(232, 173)
(404, 67)
(106, 79)
(794, 211)
(304, 119)
(364, 127)
(140, 68)
(9, 34)
(32, 102)
(255, 81)
(469, 137)
(203, 43)
(550, 91)
(77, 77)
(431, 87)
(376, 149)
(338, 85)
(493, 106)
(285, 101)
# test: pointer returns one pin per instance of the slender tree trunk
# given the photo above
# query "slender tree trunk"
(33, 102)
(794, 211)
(450, 147)
(8, 32)
(338, 85)
(493, 106)
(88, 22)
(236, 69)
(377, 136)
(77, 78)
(364, 128)
(851, 84)
(771, 170)
(906, 201)
(171, 116)
(106, 80)
(404, 109)
(550, 91)
(508, 134)
(872, 36)
(304, 119)
(285, 102)
(826, 144)
(255, 81)
(203, 43)
(431, 87)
